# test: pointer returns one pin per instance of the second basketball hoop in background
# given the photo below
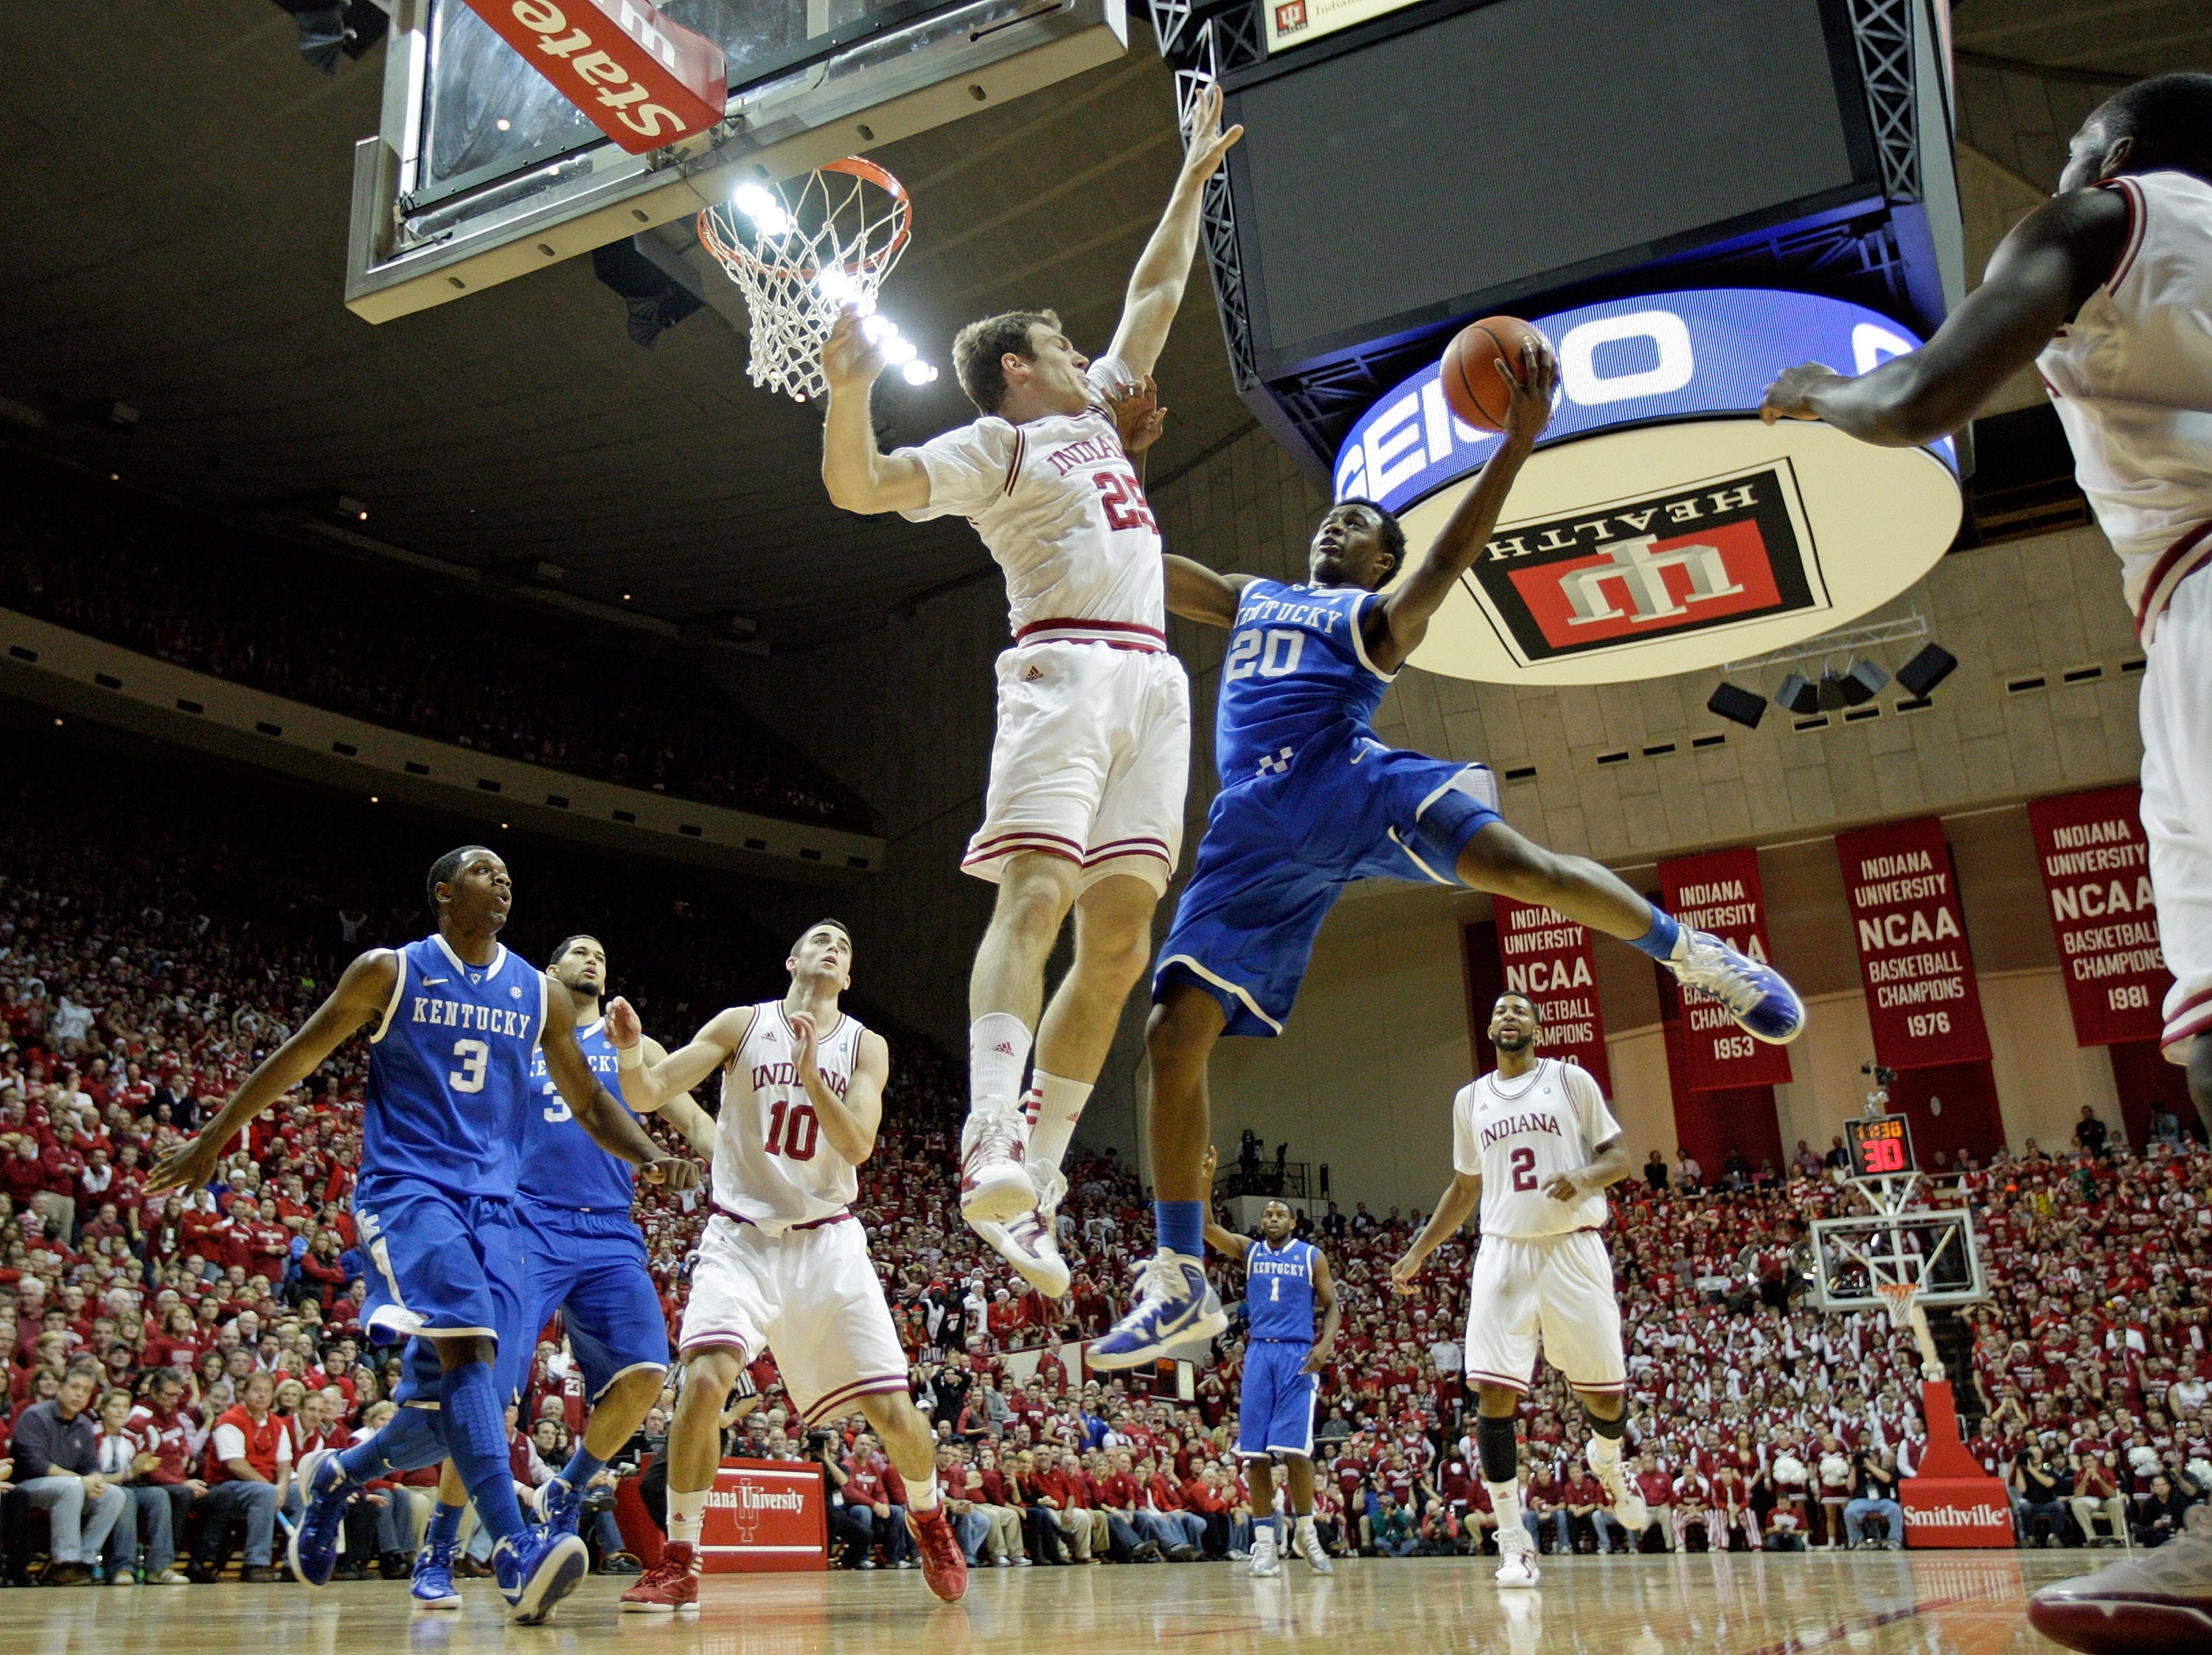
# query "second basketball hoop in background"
(804, 250)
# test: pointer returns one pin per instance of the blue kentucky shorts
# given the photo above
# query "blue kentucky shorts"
(1280, 850)
(1275, 1413)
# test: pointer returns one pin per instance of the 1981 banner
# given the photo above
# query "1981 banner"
(1547, 956)
(1720, 892)
(2096, 875)
(1921, 995)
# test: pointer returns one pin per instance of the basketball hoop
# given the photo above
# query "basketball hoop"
(801, 252)
(1902, 1300)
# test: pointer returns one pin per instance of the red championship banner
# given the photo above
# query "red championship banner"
(1921, 995)
(643, 79)
(764, 1517)
(1719, 892)
(2096, 872)
(1547, 956)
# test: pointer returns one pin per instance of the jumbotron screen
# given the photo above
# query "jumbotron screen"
(1383, 184)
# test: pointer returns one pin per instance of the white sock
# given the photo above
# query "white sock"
(1055, 1122)
(687, 1510)
(921, 1493)
(1506, 1501)
(997, 1050)
(1303, 1525)
(1604, 1452)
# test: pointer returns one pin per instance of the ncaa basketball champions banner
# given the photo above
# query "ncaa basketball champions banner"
(2096, 875)
(1720, 892)
(1921, 995)
(1547, 956)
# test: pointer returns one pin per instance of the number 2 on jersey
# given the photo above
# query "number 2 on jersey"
(1524, 1169)
(1123, 496)
(805, 1126)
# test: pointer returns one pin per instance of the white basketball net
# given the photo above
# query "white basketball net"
(802, 250)
(1899, 1298)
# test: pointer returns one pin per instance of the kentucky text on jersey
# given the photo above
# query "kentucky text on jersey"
(460, 1015)
(1297, 667)
(561, 1165)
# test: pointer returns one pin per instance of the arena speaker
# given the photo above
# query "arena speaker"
(1685, 199)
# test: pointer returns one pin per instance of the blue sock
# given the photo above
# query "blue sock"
(1659, 941)
(443, 1532)
(476, 1436)
(1181, 1226)
(410, 1439)
(583, 1465)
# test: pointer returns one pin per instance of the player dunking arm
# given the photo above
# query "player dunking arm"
(1284, 1280)
(1092, 754)
(1311, 801)
(783, 1265)
(583, 1255)
(2107, 289)
(456, 1021)
(1534, 1143)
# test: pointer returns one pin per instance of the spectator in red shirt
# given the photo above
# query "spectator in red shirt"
(249, 1473)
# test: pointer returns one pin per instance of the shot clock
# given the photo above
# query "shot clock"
(1881, 1147)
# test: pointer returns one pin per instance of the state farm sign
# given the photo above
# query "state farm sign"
(643, 80)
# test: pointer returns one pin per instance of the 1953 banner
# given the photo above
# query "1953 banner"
(2096, 875)
(1547, 956)
(1921, 995)
(1720, 892)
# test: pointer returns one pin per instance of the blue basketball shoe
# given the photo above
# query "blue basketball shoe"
(557, 1504)
(1175, 1306)
(537, 1569)
(313, 1550)
(433, 1586)
(1763, 1005)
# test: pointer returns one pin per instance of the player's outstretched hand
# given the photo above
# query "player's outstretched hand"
(1535, 385)
(189, 1165)
(1787, 398)
(1208, 143)
(623, 1027)
(671, 1173)
(1212, 1160)
(850, 359)
(1402, 1273)
(1138, 417)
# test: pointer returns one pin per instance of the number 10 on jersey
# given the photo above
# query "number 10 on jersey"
(792, 1130)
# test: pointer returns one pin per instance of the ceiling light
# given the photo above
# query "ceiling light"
(1798, 694)
(1737, 704)
(1927, 669)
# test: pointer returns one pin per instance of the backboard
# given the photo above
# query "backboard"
(482, 170)
(1933, 1247)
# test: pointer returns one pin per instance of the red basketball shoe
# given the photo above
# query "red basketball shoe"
(670, 1585)
(943, 1564)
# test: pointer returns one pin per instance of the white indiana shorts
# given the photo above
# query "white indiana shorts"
(810, 1297)
(1090, 762)
(2176, 803)
(1559, 1287)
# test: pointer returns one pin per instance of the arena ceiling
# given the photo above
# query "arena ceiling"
(176, 189)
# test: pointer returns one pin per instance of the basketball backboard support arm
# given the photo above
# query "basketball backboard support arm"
(891, 84)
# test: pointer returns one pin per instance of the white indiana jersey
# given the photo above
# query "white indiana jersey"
(772, 1163)
(1516, 1135)
(2131, 379)
(1058, 503)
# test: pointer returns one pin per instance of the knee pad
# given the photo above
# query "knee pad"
(1494, 1443)
(1612, 1430)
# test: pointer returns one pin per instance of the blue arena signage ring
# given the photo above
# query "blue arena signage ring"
(1658, 358)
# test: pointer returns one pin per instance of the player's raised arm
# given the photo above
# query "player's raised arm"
(1164, 268)
(1199, 593)
(612, 1127)
(1332, 1314)
(859, 476)
(2054, 258)
(1454, 1207)
(1405, 613)
(1222, 1240)
(363, 994)
(653, 1085)
(848, 1123)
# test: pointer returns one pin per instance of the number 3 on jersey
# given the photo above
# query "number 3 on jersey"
(804, 1126)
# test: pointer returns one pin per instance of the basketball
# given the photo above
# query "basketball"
(1472, 389)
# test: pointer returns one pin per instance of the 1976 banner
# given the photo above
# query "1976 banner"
(1920, 994)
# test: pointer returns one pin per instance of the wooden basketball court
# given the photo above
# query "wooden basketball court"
(1961, 1603)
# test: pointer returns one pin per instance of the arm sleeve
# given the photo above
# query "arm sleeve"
(1598, 1124)
(1467, 1154)
(968, 469)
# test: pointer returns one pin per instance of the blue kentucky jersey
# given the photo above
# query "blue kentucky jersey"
(1279, 1304)
(1296, 665)
(562, 1166)
(449, 1070)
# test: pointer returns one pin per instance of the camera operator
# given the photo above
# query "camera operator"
(852, 1532)
(2043, 1490)
(1873, 1494)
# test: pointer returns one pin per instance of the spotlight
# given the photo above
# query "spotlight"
(1798, 694)
(1861, 682)
(1927, 669)
(1737, 704)
(1831, 690)
(331, 29)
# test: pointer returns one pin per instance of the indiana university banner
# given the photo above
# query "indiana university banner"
(1547, 956)
(1719, 892)
(2096, 872)
(1921, 995)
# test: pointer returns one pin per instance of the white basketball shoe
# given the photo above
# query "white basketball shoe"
(1516, 1559)
(1028, 1243)
(1266, 1561)
(1628, 1507)
(994, 1185)
(1306, 1542)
